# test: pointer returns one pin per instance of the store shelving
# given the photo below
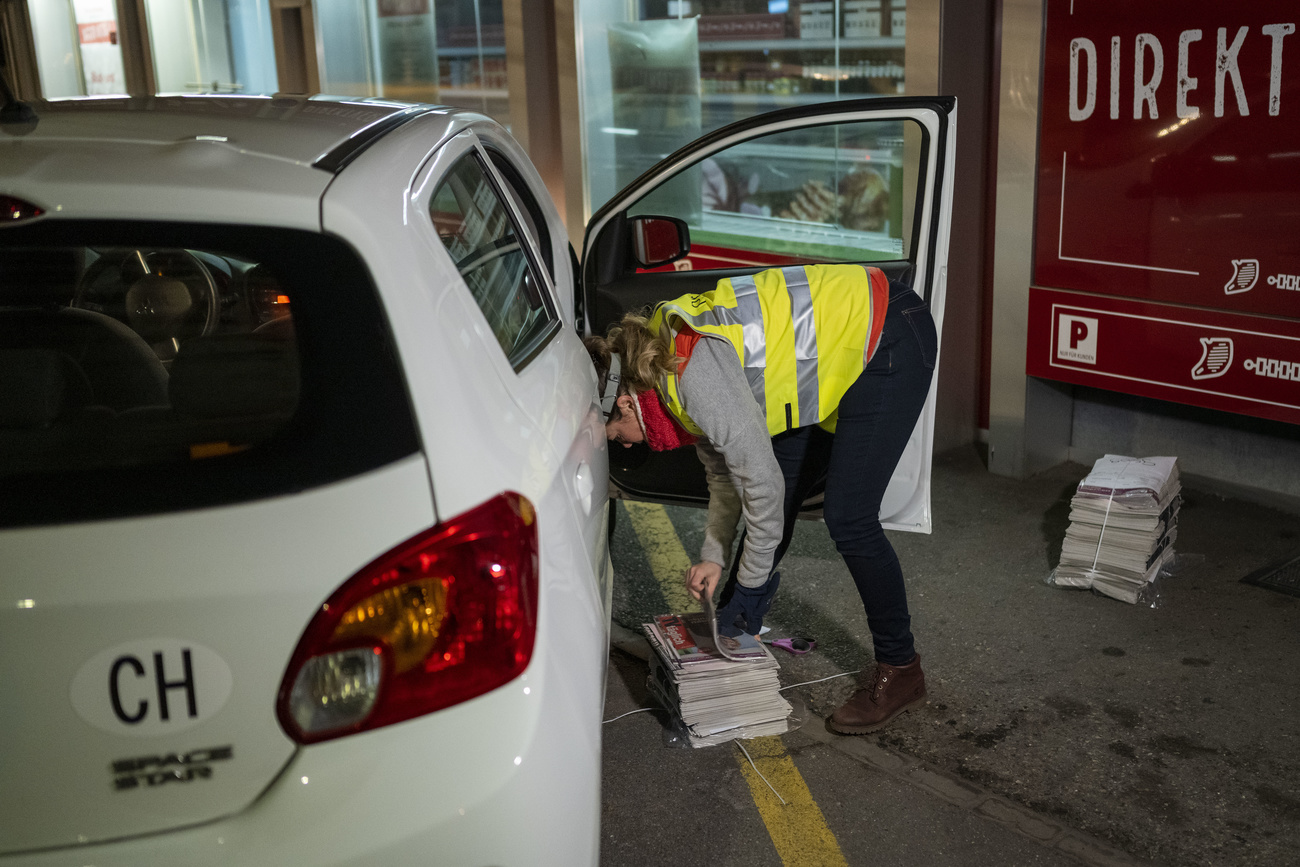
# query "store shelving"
(797, 44)
(471, 51)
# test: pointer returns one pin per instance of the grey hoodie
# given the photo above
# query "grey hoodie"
(736, 450)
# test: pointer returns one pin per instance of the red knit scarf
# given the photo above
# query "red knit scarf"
(662, 431)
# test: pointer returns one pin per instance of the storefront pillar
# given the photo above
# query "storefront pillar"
(572, 205)
(533, 47)
(137, 59)
(293, 31)
(1029, 419)
(19, 66)
(921, 55)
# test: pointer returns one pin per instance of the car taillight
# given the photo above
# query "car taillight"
(445, 616)
(13, 209)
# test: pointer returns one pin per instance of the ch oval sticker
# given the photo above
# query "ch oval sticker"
(151, 687)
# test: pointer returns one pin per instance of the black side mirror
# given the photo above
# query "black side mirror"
(658, 240)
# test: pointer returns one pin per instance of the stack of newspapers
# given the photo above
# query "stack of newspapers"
(1123, 523)
(717, 697)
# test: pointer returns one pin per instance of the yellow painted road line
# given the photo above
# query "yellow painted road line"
(797, 827)
(668, 559)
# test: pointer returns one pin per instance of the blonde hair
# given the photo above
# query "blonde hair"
(645, 356)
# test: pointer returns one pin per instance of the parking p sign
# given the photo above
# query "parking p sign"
(1076, 338)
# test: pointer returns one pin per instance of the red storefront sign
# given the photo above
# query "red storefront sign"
(1169, 172)
(1241, 364)
(97, 32)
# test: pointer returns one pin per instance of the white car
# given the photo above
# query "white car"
(303, 478)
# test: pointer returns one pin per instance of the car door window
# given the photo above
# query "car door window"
(831, 193)
(475, 227)
(529, 208)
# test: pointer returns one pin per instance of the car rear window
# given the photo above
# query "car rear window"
(150, 368)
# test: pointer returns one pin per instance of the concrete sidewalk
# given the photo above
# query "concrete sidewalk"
(1070, 723)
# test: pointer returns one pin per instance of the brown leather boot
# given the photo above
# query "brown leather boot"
(891, 690)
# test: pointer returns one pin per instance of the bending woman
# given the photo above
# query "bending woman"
(781, 381)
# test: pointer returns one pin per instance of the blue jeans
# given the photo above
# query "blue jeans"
(876, 418)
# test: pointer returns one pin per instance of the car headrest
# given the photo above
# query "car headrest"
(38, 386)
(39, 278)
(123, 370)
(234, 376)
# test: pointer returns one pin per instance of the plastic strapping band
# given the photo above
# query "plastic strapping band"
(1106, 518)
(760, 773)
(612, 379)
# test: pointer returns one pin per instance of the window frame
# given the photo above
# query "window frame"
(526, 203)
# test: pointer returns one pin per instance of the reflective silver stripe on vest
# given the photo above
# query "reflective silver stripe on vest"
(748, 314)
(805, 343)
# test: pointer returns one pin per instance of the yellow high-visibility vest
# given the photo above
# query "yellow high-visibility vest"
(801, 332)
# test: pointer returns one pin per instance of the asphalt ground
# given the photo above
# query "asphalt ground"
(1062, 727)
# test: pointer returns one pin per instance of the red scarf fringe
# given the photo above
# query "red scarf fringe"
(662, 431)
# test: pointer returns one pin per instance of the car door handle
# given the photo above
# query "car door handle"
(584, 484)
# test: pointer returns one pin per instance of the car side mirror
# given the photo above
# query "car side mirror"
(659, 240)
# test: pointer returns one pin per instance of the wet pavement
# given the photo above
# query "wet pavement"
(1060, 723)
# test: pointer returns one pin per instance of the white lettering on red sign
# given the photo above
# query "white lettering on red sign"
(1149, 66)
(1274, 368)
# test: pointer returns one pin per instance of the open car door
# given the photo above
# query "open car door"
(867, 181)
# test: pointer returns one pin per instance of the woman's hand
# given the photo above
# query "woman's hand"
(703, 578)
(745, 609)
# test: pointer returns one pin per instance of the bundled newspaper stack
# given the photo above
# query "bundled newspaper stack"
(1123, 522)
(717, 698)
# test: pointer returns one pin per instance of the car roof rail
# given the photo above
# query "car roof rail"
(337, 158)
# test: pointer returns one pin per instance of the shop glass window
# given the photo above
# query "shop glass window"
(839, 192)
(450, 52)
(658, 74)
(472, 56)
(212, 46)
(77, 49)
